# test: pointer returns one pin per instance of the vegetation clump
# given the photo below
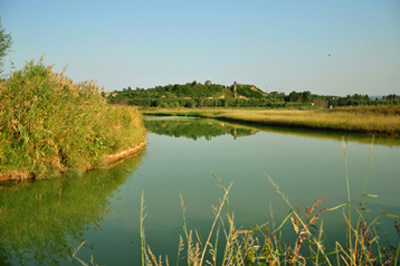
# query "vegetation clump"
(50, 125)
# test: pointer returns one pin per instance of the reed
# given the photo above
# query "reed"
(50, 125)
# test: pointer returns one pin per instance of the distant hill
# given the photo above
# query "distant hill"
(196, 90)
(196, 94)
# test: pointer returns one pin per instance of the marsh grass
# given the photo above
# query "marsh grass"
(262, 245)
(376, 120)
(50, 125)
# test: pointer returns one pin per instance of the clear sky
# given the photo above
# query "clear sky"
(334, 47)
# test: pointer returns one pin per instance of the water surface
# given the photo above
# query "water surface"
(43, 222)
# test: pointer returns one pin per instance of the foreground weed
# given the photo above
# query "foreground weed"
(362, 237)
(246, 247)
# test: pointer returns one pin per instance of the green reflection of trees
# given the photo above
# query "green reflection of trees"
(40, 221)
(196, 128)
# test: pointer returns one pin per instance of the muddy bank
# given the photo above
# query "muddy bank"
(112, 160)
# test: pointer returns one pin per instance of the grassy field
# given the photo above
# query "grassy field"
(365, 119)
(50, 125)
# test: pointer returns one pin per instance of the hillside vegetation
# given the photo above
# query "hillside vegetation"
(50, 125)
(195, 90)
(191, 95)
(238, 95)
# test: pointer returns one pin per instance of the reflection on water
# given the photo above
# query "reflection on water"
(196, 128)
(306, 164)
(41, 221)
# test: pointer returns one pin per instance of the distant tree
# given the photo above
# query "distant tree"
(294, 96)
(5, 45)
(306, 96)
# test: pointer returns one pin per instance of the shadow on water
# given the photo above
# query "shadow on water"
(41, 222)
(194, 128)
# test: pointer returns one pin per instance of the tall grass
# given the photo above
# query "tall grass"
(376, 120)
(50, 125)
(262, 245)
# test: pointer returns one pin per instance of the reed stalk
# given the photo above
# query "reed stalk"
(142, 217)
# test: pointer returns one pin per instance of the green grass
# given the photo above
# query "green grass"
(52, 126)
(373, 120)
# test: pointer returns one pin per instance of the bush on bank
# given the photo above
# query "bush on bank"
(50, 125)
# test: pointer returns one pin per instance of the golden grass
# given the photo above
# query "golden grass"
(378, 120)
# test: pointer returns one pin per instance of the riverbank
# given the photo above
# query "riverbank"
(52, 127)
(372, 120)
(112, 160)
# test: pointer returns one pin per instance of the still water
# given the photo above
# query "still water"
(42, 223)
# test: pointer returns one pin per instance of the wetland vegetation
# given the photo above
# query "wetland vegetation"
(365, 119)
(247, 103)
(52, 126)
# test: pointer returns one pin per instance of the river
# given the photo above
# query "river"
(44, 222)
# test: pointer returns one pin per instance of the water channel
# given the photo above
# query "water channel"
(43, 222)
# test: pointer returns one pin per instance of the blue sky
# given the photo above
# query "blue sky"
(275, 45)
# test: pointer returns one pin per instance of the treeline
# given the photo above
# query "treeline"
(350, 100)
(192, 89)
(198, 102)
(238, 95)
(193, 95)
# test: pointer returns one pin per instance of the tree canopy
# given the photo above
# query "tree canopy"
(5, 45)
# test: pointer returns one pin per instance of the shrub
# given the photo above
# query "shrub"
(49, 125)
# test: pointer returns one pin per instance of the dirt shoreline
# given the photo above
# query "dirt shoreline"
(112, 160)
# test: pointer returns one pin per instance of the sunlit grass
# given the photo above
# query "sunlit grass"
(375, 120)
(51, 125)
